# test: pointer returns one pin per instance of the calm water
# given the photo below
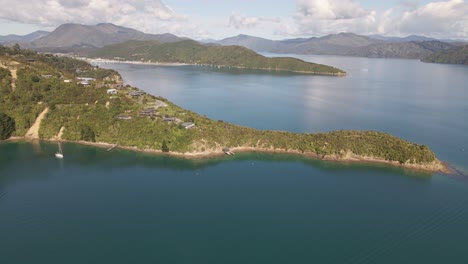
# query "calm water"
(125, 207)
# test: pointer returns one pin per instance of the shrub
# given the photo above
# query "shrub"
(7, 126)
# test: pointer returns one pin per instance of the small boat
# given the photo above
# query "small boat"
(59, 154)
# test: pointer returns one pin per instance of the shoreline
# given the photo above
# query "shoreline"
(436, 166)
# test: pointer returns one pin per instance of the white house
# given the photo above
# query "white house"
(67, 81)
(111, 91)
(188, 125)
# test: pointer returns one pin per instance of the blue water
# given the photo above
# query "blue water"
(124, 207)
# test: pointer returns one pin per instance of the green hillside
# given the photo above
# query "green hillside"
(192, 52)
(456, 55)
(132, 118)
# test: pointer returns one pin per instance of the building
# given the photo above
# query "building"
(188, 125)
(124, 117)
(47, 76)
(67, 81)
(136, 94)
(148, 112)
(111, 91)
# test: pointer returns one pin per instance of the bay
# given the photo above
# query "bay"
(119, 207)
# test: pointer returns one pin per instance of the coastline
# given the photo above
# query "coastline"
(436, 166)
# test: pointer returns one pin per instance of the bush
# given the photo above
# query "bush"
(87, 134)
(164, 147)
(7, 126)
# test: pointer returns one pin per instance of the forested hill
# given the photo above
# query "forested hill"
(456, 55)
(192, 52)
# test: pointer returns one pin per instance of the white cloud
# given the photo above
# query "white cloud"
(319, 17)
(445, 19)
(240, 21)
(442, 19)
(152, 16)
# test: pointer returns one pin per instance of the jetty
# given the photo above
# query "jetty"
(112, 148)
(228, 152)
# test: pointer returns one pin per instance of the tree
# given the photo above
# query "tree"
(87, 134)
(16, 48)
(164, 146)
(7, 126)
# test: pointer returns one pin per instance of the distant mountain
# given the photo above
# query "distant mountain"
(71, 37)
(334, 44)
(250, 42)
(192, 52)
(401, 39)
(455, 55)
(10, 39)
(406, 50)
(346, 44)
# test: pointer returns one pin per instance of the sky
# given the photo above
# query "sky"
(273, 19)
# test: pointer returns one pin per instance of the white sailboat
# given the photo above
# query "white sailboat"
(59, 154)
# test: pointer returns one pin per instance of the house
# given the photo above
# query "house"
(67, 81)
(86, 79)
(136, 94)
(169, 119)
(111, 91)
(85, 83)
(47, 76)
(148, 112)
(188, 125)
(124, 117)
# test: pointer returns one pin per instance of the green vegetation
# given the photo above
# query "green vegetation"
(148, 122)
(456, 55)
(7, 126)
(192, 52)
(164, 147)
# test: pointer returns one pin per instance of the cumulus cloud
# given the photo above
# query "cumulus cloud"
(319, 17)
(240, 21)
(146, 15)
(444, 19)
(435, 19)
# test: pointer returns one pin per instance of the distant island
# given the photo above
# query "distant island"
(194, 53)
(63, 99)
(455, 55)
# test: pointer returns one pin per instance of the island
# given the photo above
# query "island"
(194, 53)
(47, 97)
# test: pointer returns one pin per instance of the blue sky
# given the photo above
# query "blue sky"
(276, 19)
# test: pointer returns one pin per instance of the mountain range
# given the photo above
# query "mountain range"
(346, 44)
(79, 38)
(12, 38)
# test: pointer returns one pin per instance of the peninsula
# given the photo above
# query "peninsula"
(194, 53)
(60, 98)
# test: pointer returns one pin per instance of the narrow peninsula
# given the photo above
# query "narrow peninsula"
(194, 53)
(60, 98)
